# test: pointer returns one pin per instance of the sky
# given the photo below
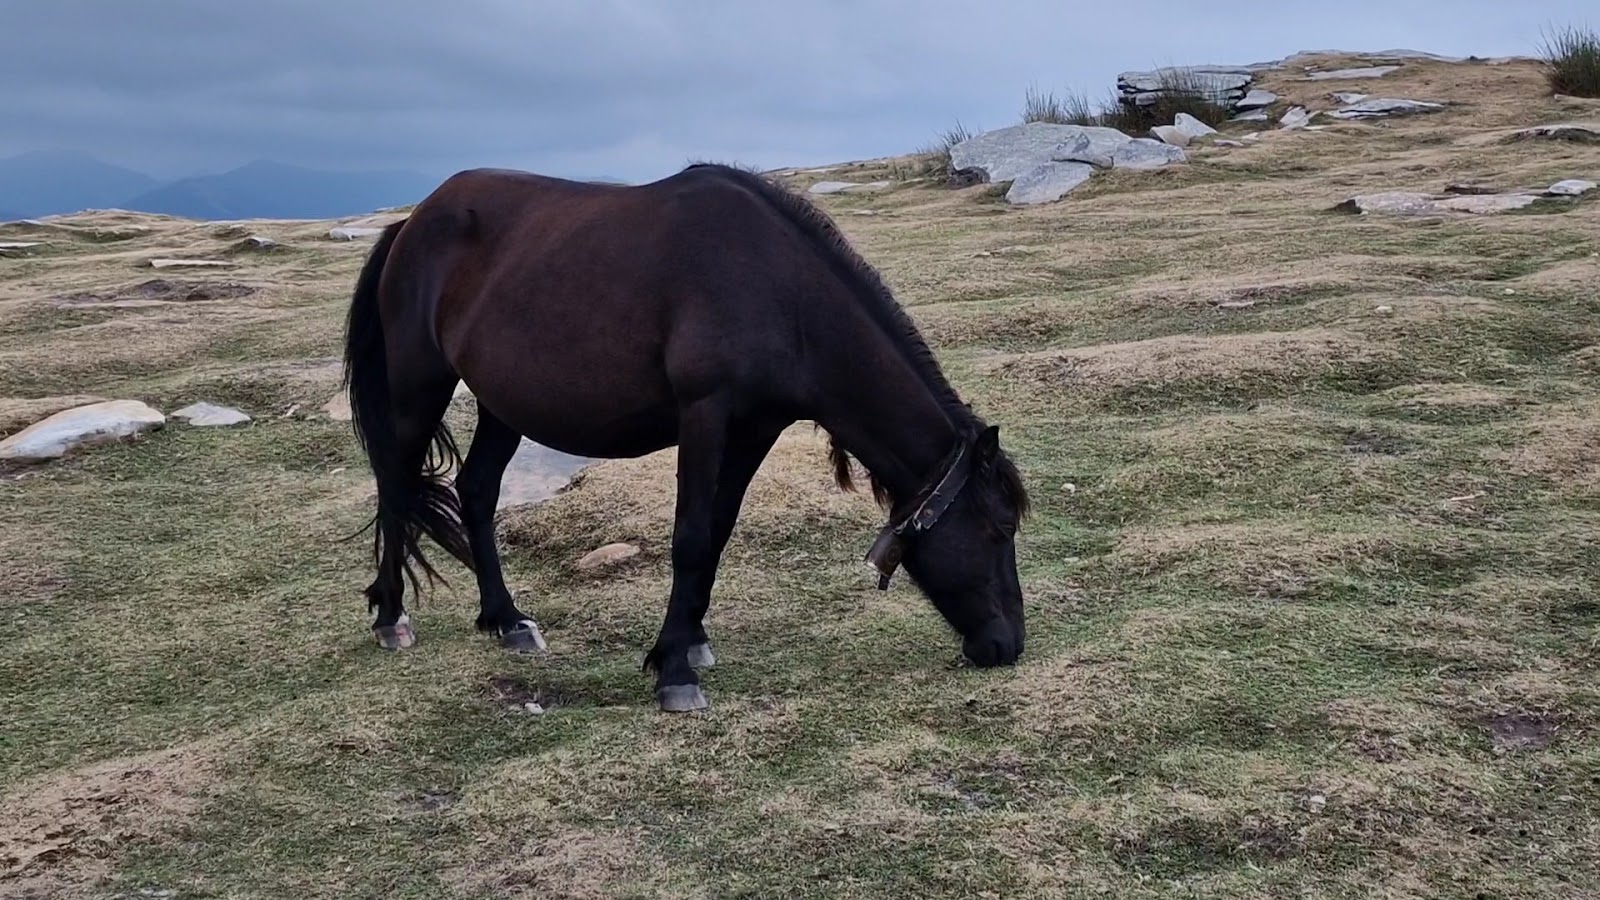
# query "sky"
(631, 89)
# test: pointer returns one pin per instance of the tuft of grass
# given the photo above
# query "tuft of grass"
(933, 160)
(1073, 109)
(1572, 62)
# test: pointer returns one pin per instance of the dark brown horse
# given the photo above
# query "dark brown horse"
(709, 310)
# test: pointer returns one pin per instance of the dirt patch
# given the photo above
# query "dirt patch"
(159, 291)
(1366, 440)
(60, 833)
(1514, 732)
(514, 693)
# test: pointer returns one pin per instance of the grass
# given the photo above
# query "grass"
(1572, 62)
(1180, 92)
(1310, 584)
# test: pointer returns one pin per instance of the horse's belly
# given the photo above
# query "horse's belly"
(595, 420)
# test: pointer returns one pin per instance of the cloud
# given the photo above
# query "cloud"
(629, 88)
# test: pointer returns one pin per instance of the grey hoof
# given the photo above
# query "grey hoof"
(701, 657)
(524, 638)
(682, 698)
(398, 636)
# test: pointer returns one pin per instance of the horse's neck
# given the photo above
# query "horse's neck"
(887, 418)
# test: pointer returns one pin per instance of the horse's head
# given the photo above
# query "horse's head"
(958, 543)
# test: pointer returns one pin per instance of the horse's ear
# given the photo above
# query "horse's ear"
(988, 443)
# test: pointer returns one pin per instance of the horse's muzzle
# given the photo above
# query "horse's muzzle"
(998, 643)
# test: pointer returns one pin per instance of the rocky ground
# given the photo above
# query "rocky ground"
(1311, 585)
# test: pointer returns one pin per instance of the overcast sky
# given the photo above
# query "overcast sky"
(629, 88)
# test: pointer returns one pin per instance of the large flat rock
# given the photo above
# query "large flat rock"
(536, 474)
(1006, 154)
(80, 427)
(1382, 107)
(1350, 74)
(1048, 183)
(1581, 132)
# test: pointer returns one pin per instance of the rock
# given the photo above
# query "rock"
(610, 554)
(1236, 304)
(80, 427)
(167, 263)
(1342, 74)
(1255, 115)
(1048, 183)
(847, 187)
(1383, 310)
(533, 708)
(1407, 203)
(10, 247)
(1463, 187)
(1143, 153)
(1295, 118)
(257, 242)
(1008, 153)
(1572, 187)
(1345, 98)
(1484, 204)
(1384, 106)
(961, 178)
(1170, 134)
(1581, 132)
(1191, 126)
(536, 473)
(1257, 99)
(1222, 85)
(338, 407)
(206, 415)
(1225, 142)
(353, 232)
(1395, 203)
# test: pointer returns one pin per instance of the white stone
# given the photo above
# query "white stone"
(206, 415)
(1254, 115)
(1170, 134)
(831, 187)
(608, 555)
(1342, 74)
(1257, 99)
(1345, 98)
(1295, 118)
(1191, 126)
(1007, 153)
(353, 232)
(338, 407)
(1485, 204)
(1384, 106)
(19, 245)
(1409, 203)
(165, 263)
(1572, 187)
(83, 426)
(1225, 142)
(1143, 153)
(1048, 183)
(260, 242)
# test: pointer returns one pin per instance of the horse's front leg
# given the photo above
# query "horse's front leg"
(702, 440)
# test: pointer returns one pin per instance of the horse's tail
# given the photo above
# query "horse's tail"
(412, 499)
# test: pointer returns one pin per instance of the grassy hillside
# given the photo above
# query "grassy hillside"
(1311, 588)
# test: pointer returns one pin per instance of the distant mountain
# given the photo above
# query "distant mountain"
(43, 182)
(269, 190)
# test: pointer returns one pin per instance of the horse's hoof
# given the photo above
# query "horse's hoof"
(701, 657)
(682, 698)
(398, 636)
(524, 638)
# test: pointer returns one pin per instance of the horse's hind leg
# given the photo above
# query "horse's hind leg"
(493, 445)
(417, 414)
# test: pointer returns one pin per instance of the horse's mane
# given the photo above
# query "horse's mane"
(891, 318)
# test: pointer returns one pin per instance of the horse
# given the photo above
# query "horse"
(708, 310)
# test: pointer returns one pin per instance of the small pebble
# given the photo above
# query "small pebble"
(1510, 291)
(1069, 488)
(533, 707)
(1383, 310)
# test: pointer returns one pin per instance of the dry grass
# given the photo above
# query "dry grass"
(1310, 584)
